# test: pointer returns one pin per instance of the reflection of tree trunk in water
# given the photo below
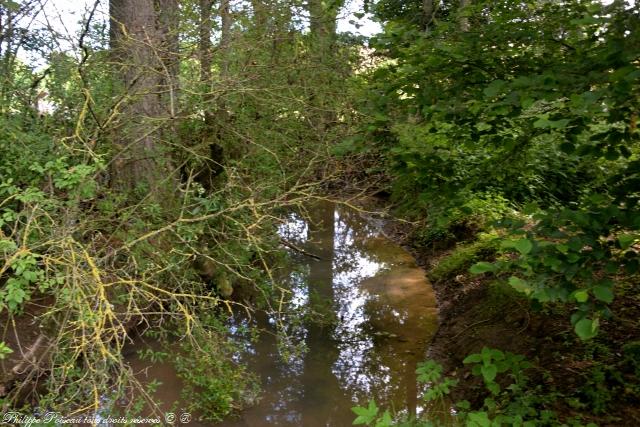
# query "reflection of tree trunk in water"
(321, 354)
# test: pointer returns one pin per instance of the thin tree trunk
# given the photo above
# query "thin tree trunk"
(282, 33)
(168, 17)
(225, 37)
(222, 116)
(427, 13)
(322, 21)
(260, 17)
(464, 20)
(211, 134)
(205, 60)
(322, 25)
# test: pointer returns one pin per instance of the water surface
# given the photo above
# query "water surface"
(376, 314)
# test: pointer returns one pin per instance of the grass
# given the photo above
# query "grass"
(464, 256)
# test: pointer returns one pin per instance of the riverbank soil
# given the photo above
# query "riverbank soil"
(593, 381)
(19, 370)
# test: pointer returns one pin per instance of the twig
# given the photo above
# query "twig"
(298, 249)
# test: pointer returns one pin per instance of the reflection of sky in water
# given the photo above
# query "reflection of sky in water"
(294, 227)
(298, 287)
(384, 314)
(349, 361)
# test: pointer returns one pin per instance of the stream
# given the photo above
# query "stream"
(382, 314)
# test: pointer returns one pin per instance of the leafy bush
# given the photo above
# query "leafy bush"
(215, 385)
(463, 222)
(510, 400)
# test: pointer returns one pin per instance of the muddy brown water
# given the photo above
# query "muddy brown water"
(383, 314)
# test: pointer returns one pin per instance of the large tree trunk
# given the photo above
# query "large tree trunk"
(143, 44)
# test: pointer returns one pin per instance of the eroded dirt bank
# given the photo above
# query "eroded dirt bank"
(473, 314)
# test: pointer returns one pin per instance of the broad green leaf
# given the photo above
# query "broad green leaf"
(482, 267)
(603, 293)
(523, 246)
(4, 350)
(385, 420)
(587, 328)
(520, 285)
(626, 240)
(473, 358)
(489, 372)
(365, 415)
(494, 88)
(542, 122)
(478, 419)
(581, 296)
(482, 126)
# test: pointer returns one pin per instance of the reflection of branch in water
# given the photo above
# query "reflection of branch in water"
(297, 249)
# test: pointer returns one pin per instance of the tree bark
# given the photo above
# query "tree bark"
(427, 13)
(322, 25)
(205, 48)
(168, 19)
(225, 37)
(143, 43)
(260, 17)
(464, 20)
(322, 21)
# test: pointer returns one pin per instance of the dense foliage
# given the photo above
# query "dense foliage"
(149, 191)
(535, 103)
(520, 115)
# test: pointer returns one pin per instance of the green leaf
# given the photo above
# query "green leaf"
(482, 126)
(587, 328)
(523, 246)
(473, 358)
(603, 293)
(559, 124)
(478, 419)
(542, 122)
(581, 296)
(4, 350)
(385, 420)
(626, 240)
(520, 285)
(365, 415)
(494, 88)
(482, 267)
(7, 245)
(494, 388)
(489, 372)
